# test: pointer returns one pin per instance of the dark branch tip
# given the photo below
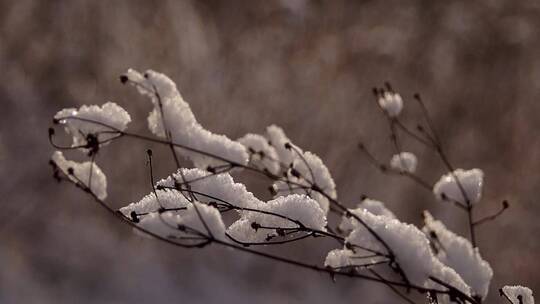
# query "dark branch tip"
(123, 79)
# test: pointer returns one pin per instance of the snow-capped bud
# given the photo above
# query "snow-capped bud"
(95, 120)
(470, 182)
(404, 162)
(391, 103)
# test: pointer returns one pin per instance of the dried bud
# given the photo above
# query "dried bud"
(255, 226)
(134, 217)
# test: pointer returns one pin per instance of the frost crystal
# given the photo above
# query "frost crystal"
(458, 253)
(262, 154)
(294, 207)
(180, 223)
(216, 188)
(87, 173)
(373, 206)
(171, 110)
(409, 244)
(471, 182)
(80, 123)
(404, 162)
(391, 103)
(513, 292)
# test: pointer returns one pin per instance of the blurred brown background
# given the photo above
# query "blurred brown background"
(308, 66)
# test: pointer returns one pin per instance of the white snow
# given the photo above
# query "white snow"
(166, 224)
(471, 181)
(277, 138)
(410, 246)
(221, 186)
(311, 170)
(514, 291)
(404, 162)
(182, 124)
(168, 199)
(391, 103)
(86, 172)
(338, 258)
(109, 114)
(457, 252)
(259, 145)
(310, 167)
(295, 207)
(373, 206)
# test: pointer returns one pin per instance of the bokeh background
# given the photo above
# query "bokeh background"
(307, 66)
